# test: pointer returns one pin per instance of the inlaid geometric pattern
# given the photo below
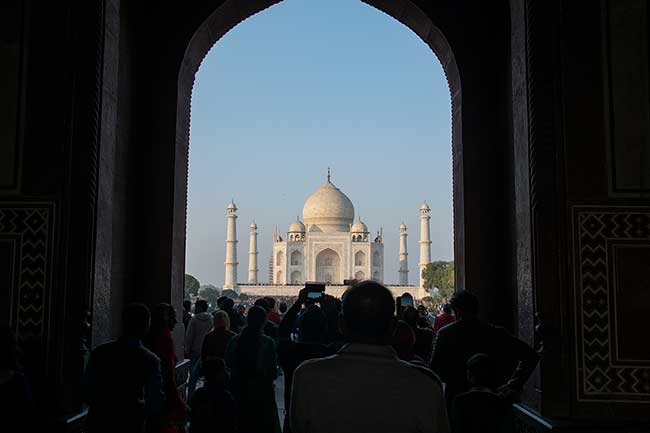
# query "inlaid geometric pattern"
(30, 224)
(600, 377)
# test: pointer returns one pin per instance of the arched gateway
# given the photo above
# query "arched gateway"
(328, 267)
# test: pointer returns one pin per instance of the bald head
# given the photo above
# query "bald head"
(368, 313)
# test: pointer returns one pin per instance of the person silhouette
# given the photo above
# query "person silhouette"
(457, 342)
(481, 409)
(213, 406)
(123, 382)
(365, 386)
(423, 336)
(310, 343)
(251, 357)
(216, 341)
(160, 342)
(199, 326)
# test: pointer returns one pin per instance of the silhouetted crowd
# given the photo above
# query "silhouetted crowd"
(365, 363)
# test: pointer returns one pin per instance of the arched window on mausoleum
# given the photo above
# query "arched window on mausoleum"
(360, 258)
(296, 277)
(296, 258)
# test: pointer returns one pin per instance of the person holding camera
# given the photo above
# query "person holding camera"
(311, 340)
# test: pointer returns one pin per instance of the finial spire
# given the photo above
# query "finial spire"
(328, 174)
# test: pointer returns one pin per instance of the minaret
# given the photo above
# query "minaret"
(230, 280)
(425, 240)
(403, 257)
(252, 255)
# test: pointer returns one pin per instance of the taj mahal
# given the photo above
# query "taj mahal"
(327, 246)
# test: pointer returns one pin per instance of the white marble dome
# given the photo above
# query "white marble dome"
(328, 210)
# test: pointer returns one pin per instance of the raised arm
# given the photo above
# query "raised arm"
(527, 361)
(289, 319)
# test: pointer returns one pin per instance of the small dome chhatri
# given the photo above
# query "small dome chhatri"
(329, 209)
(359, 227)
(297, 227)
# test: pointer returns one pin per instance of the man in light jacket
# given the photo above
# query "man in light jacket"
(365, 387)
(200, 324)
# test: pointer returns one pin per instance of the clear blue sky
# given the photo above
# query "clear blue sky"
(308, 84)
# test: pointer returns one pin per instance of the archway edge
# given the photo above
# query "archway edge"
(232, 12)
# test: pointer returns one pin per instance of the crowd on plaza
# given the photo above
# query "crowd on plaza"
(358, 364)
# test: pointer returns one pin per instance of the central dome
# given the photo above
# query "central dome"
(328, 210)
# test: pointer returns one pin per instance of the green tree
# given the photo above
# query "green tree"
(210, 293)
(230, 294)
(192, 285)
(439, 275)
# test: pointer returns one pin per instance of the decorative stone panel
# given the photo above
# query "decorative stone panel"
(611, 281)
(26, 230)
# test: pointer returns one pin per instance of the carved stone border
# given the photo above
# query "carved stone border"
(31, 224)
(599, 377)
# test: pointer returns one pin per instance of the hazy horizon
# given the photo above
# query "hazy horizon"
(306, 85)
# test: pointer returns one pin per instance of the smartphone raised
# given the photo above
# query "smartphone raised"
(315, 290)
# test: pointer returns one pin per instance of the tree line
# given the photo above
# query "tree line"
(439, 275)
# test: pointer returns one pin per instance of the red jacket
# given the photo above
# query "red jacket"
(274, 316)
(162, 344)
(443, 320)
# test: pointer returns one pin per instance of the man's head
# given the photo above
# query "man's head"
(220, 319)
(201, 306)
(464, 304)
(165, 314)
(422, 310)
(262, 303)
(136, 320)
(481, 371)
(282, 307)
(270, 302)
(447, 308)
(313, 325)
(256, 318)
(367, 314)
(226, 303)
(214, 371)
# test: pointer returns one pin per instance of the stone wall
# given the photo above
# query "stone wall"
(336, 291)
